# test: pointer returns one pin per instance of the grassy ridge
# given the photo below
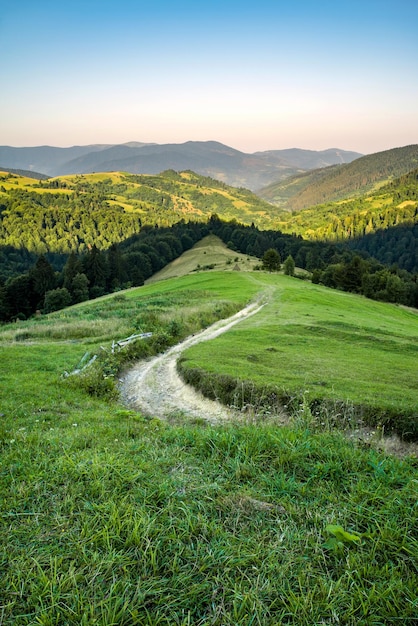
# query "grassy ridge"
(211, 253)
(110, 518)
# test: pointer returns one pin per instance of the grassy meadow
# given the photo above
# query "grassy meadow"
(324, 345)
(113, 518)
(209, 253)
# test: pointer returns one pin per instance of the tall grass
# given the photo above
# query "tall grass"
(122, 520)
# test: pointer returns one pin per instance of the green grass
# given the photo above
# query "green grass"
(327, 345)
(210, 251)
(114, 519)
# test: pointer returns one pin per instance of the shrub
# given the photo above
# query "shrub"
(56, 299)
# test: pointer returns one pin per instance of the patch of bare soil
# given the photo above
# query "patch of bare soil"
(389, 444)
(155, 388)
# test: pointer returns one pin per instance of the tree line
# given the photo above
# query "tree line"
(129, 263)
(95, 272)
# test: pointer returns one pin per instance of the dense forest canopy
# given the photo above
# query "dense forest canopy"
(71, 238)
(73, 213)
(382, 223)
(130, 263)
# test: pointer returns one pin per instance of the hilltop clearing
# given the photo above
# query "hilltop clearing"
(209, 253)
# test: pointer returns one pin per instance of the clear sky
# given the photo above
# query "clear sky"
(256, 76)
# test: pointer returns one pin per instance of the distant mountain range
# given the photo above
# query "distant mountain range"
(208, 158)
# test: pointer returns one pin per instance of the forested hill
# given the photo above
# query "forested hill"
(393, 204)
(342, 181)
(73, 213)
(97, 272)
(383, 223)
(71, 238)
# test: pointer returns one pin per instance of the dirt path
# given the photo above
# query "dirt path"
(155, 388)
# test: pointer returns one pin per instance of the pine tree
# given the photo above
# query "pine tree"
(271, 260)
(43, 277)
(289, 266)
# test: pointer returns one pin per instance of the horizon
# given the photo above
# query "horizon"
(155, 143)
(256, 78)
(329, 148)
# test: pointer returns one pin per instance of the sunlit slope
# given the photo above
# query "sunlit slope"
(345, 181)
(323, 344)
(209, 253)
(110, 517)
(392, 205)
(54, 210)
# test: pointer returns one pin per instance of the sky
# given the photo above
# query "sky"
(265, 75)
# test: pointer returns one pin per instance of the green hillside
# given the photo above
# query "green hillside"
(382, 223)
(115, 224)
(343, 181)
(108, 516)
(393, 204)
(73, 213)
(209, 253)
(281, 193)
(328, 346)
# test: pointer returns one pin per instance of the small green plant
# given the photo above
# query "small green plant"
(340, 538)
(303, 416)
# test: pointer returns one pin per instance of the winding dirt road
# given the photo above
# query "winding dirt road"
(155, 388)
